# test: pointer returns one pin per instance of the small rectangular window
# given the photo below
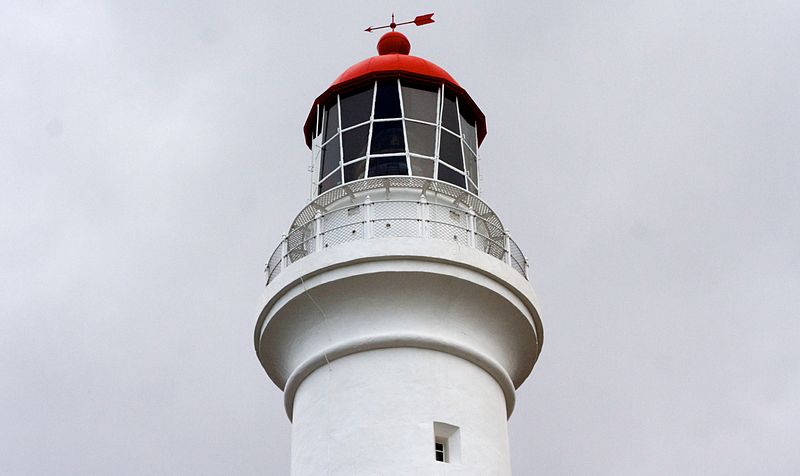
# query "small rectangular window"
(441, 452)
(446, 443)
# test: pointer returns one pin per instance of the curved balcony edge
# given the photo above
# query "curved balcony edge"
(464, 219)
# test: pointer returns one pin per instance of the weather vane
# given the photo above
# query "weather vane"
(419, 21)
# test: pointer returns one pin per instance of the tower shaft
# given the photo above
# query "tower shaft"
(378, 412)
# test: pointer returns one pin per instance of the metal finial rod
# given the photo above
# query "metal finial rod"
(419, 21)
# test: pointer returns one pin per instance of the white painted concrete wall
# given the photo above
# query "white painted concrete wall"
(372, 413)
(415, 331)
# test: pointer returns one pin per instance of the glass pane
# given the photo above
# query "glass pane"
(387, 101)
(449, 175)
(330, 157)
(472, 187)
(449, 112)
(472, 164)
(450, 150)
(354, 142)
(421, 167)
(393, 165)
(419, 102)
(467, 125)
(330, 182)
(331, 121)
(354, 171)
(318, 129)
(421, 138)
(387, 137)
(356, 107)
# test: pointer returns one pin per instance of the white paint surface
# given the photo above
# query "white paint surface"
(374, 341)
(372, 413)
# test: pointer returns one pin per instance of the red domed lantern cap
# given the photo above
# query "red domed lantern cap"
(393, 61)
(394, 42)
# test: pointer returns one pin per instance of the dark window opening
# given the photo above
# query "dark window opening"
(449, 112)
(392, 165)
(451, 176)
(354, 142)
(330, 157)
(450, 150)
(318, 128)
(356, 107)
(387, 138)
(420, 102)
(421, 167)
(354, 171)
(440, 452)
(467, 125)
(421, 138)
(330, 182)
(387, 100)
(472, 164)
(331, 120)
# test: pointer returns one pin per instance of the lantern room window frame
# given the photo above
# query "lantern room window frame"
(360, 167)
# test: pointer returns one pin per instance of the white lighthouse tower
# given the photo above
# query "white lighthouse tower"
(398, 318)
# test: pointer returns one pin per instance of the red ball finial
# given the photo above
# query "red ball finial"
(394, 42)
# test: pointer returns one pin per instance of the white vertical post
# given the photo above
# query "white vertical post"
(421, 209)
(507, 246)
(318, 231)
(284, 251)
(426, 217)
(527, 265)
(367, 218)
(471, 220)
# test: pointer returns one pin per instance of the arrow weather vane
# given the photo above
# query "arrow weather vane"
(419, 21)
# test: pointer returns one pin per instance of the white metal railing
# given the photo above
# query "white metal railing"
(395, 218)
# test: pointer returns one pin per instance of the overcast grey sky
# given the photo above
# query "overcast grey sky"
(644, 154)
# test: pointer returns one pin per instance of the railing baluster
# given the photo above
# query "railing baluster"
(318, 233)
(423, 215)
(284, 251)
(367, 217)
(471, 221)
(507, 246)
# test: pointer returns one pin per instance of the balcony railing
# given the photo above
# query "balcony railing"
(396, 218)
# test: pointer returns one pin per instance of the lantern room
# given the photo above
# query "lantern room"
(395, 115)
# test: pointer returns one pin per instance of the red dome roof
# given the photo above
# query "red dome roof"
(393, 62)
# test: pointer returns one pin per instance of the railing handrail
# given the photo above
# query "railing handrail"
(475, 231)
(424, 185)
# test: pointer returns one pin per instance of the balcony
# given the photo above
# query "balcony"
(355, 212)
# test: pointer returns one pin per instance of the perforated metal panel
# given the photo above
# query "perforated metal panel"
(467, 222)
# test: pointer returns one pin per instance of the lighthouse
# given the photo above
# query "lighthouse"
(398, 319)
